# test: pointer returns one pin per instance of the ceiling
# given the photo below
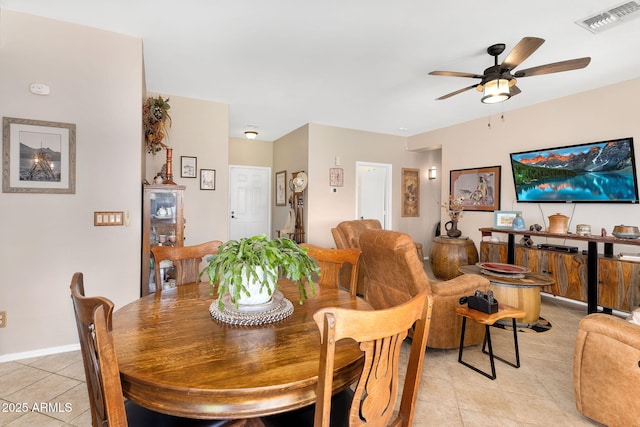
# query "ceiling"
(359, 64)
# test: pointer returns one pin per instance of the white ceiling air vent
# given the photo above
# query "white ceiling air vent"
(611, 17)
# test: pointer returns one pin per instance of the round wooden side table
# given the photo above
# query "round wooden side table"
(523, 293)
(448, 254)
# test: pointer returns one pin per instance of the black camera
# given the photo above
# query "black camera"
(480, 301)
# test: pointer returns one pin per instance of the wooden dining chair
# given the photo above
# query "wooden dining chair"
(331, 262)
(380, 334)
(94, 322)
(186, 260)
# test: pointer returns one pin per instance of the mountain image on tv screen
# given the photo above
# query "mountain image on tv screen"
(594, 172)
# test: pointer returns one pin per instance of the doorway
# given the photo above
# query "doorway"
(373, 192)
(249, 201)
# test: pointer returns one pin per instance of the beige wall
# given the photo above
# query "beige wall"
(199, 129)
(605, 113)
(96, 83)
(326, 208)
(250, 152)
(290, 153)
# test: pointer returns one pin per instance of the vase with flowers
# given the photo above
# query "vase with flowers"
(454, 208)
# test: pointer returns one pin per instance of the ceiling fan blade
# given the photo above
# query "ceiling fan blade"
(556, 67)
(521, 51)
(449, 95)
(455, 74)
(514, 90)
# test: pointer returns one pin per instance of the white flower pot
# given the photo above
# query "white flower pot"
(258, 296)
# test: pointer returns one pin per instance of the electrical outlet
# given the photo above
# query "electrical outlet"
(3, 319)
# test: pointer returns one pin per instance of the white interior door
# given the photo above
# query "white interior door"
(249, 201)
(373, 187)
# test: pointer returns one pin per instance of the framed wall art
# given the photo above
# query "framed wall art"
(188, 167)
(207, 179)
(478, 188)
(410, 192)
(336, 177)
(281, 188)
(38, 156)
(504, 219)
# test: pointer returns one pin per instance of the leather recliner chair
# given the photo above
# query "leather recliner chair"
(347, 235)
(606, 370)
(393, 274)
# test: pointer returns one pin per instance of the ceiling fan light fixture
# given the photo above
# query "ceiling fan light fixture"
(496, 91)
(250, 134)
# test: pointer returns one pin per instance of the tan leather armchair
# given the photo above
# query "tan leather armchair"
(393, 274)
(347, 235)
(606, 370)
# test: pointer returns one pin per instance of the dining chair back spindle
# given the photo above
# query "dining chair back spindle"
(331, 261)
(380, 334)
(186, 260)
(94, 321)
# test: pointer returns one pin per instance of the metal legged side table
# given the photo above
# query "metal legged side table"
(504, 311)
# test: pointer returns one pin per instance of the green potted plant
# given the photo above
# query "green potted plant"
(248, 269)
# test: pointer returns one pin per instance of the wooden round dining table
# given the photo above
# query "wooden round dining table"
(175, 358)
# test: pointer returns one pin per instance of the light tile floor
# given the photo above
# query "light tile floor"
(540, 393)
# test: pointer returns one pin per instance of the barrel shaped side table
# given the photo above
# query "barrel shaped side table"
(448, 254)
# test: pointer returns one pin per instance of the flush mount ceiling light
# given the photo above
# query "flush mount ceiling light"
(251, 134)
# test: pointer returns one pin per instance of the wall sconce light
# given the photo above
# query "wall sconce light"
(251, 134)
(433, 173)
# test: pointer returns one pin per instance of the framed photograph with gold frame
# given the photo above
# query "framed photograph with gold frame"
(410, 192)
(478, 188)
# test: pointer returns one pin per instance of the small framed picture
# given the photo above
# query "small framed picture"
(207, 179)
(504, 219)
(281, 188)
(336, 177)
(188, 166)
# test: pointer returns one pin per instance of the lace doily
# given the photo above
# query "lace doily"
(275, 310)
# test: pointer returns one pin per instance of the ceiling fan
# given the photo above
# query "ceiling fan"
(498, 82)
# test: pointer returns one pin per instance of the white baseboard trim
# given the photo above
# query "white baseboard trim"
(37, 353)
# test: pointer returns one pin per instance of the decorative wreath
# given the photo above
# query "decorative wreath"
(156, 119)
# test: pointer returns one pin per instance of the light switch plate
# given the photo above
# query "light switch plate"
(108, 218)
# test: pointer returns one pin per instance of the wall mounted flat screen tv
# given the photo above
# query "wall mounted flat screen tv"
(593, 172)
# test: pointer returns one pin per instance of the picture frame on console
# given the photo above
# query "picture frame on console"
(478, 188)
(504, 219)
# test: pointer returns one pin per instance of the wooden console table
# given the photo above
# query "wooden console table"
(592, 254)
